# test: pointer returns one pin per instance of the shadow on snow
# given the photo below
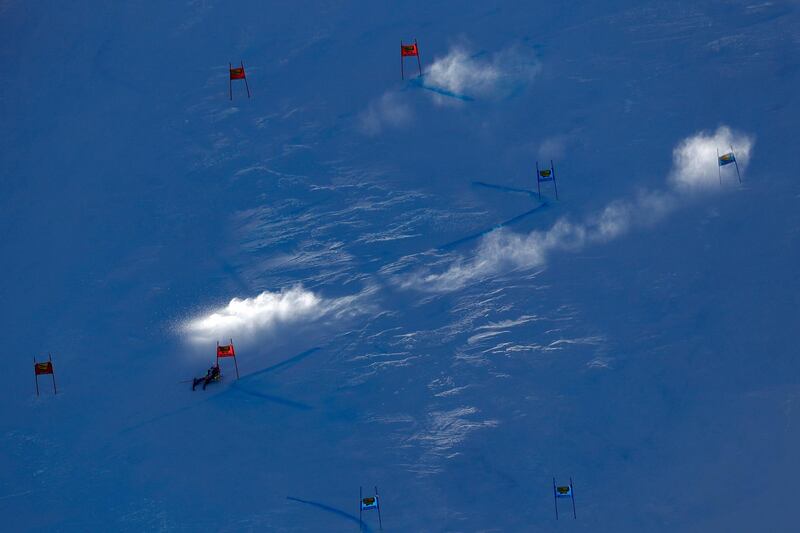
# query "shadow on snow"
(237, 387)
(328, 508)
(478, 235)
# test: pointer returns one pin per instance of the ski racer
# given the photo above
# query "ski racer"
(212, 374)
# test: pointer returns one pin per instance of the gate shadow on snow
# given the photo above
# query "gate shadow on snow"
(328, 508)
(241, 385)
(509, 222)
(237, 387)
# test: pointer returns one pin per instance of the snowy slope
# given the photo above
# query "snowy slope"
(408, 314)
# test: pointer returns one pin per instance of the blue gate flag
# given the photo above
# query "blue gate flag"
(370, 502)
(564, 491)
(727, 159)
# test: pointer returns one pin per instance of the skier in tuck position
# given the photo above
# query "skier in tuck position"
(212, 375)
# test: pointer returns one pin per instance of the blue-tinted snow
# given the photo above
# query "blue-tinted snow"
(655, 364)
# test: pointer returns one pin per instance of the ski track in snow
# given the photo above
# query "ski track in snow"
(475, 321)
(301, 240)
(442, 432)
(299, 237)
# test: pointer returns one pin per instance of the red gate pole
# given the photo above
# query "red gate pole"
(245, 79)
(230, 85)
(402, 76)
(52, 373)
(419, 63)
(35, 376)
(235, 364)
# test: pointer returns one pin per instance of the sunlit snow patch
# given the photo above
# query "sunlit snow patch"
(694, 160)
(245, 319)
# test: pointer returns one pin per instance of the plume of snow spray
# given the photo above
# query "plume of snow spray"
(245, 319)
(694, 171)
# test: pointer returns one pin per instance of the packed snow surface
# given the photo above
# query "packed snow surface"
(408, 312)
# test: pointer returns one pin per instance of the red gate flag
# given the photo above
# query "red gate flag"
(237, 73)
(409, 50)
(226, 350)
(43, 368)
